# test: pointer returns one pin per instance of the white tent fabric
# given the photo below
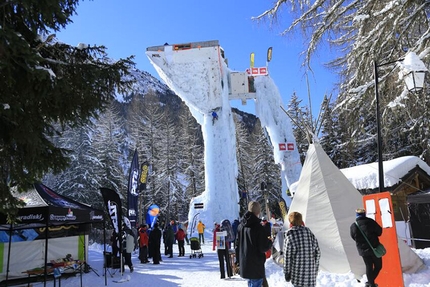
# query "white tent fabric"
(28, 255)
(327, 201)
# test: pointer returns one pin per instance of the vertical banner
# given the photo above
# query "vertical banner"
(144, 170)
(133, 194)
(380, 208)
(113, 206)
(269, 54)
(251, 60)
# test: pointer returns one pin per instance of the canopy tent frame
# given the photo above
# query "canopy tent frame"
(47, 209)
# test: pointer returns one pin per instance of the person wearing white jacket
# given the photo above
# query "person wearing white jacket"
(128, 247)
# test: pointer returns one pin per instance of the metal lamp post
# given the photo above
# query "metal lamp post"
(413, 72)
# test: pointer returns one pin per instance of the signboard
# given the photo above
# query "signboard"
(262, 71)
(286, 146)
(220, 239)
(198, 205)
(282, 146)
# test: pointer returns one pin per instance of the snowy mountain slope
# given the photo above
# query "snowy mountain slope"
(143, 83)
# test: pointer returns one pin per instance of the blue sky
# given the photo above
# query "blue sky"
(128, 27)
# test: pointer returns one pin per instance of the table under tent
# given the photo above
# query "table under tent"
(52, 231)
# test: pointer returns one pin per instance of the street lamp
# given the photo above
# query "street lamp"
(413, 72)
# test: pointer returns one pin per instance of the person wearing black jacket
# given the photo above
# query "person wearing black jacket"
(372, 230)
(252, 241)
(154, 244)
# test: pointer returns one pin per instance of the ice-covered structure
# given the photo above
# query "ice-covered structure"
(197, 72)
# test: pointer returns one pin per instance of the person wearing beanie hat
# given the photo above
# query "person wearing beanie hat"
(251, 244)
(359, 212)
(372, 230)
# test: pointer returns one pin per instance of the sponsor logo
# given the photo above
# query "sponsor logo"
(70, 213)
(61, 217)
(134, 180)
(112, 207)
(31, 217)
(96, 217)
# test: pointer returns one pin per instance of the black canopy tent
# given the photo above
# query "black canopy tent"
(419, 211)
(46, 216)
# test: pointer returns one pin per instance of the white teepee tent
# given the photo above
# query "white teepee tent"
(327, 201)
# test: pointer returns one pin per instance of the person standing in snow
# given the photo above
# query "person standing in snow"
(169, 238)
(175, 229)
(143, 243)
(252, 242)
(301, 253)
(235, 225)
(185, 227)
(223, 252)
(129, 244)
(180, 236)
(201, 230)
(154, 244)
(216, 229)
(372, 230)
(115, 245)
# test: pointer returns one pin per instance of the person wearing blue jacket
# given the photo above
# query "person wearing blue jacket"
(235, 225)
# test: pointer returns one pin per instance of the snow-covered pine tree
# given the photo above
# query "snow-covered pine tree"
(299, 117)
(331, 138)
(360, 33)
(147, 115)
(170, 187)
(45, 82)
(108, 144)
(192, 159)
(78, 180)
(265, 170)
(244, 162)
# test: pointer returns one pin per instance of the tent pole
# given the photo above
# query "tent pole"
(45, 275)
(83, 256)
(104, 250)
(8, 254)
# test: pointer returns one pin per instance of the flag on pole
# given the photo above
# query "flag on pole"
(251, 64)
(133, 193)
(144, 170)
(269, 54)
(113, 206)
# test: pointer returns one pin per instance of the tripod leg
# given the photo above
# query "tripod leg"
(88, 267)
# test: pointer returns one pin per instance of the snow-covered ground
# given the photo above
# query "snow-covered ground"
(195, 272)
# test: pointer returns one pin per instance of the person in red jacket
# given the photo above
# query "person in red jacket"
(143, 243)
(217, 229)
(180, 237)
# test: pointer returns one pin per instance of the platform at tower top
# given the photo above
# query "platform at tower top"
(186, 46)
